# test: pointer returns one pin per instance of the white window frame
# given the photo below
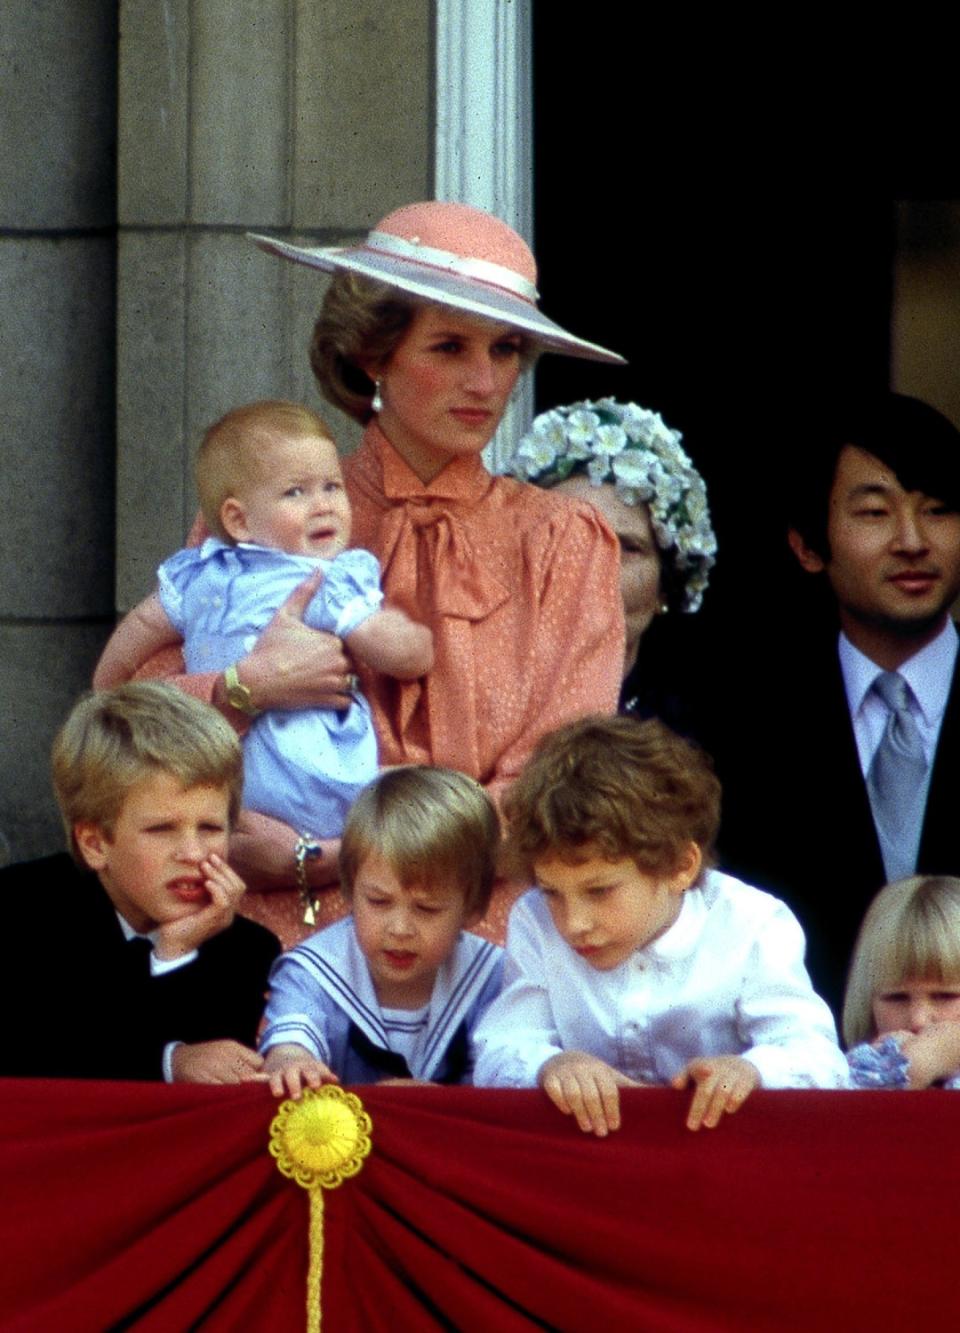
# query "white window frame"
(483, 144)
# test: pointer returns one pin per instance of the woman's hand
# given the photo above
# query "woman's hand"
(216, 1062)
(262, 850)
(292, 665)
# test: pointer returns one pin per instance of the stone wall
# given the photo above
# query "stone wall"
(57, 353)
(262, 115)
(135, 311)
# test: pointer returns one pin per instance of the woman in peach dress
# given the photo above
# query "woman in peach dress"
(422, 336)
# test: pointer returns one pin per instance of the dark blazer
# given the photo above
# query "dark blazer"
(78, 1000)
(796, 815)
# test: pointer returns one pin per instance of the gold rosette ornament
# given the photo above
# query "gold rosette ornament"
(320, 1141)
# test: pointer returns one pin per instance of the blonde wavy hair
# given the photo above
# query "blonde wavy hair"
(911, 932)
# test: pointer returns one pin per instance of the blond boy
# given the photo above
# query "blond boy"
(127, 960)
(395, 990)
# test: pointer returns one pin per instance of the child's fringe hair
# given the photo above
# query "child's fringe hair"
(911, 932)
(430, 825)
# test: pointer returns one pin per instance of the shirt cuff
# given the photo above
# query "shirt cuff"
(511, 1066)
(881, 1066)
(168, 1051)
(159, 967)
(356, 611)
(296, 1030)
(812, 1064)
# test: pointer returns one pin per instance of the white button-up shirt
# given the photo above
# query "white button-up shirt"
(727, 978)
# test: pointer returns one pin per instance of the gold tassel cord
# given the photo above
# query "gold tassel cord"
(320, 1141)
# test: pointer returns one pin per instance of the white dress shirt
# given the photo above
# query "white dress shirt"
(727, 978)
(928, 673)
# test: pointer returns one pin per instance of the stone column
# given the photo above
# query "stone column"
(57, 216)
(307, 119)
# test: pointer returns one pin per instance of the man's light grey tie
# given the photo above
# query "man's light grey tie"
(897, 779)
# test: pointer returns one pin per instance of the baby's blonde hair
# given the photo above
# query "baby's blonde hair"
(232, 452)
(114, 739)
(430, 825)
(911, 932)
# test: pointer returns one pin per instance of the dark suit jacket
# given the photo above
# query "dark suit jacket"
(78, 1000)
(796, 815)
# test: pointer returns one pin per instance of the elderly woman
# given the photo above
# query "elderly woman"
(627, 463)
(423, 334)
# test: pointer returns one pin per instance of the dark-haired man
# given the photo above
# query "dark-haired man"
(852, 779)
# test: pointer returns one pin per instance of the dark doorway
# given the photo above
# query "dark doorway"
(714, 224)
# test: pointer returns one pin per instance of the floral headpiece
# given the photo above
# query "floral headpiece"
(635, 450)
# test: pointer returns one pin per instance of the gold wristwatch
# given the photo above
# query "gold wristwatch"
(238, 694)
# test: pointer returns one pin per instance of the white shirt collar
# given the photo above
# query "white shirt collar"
(682, 936)
(928, 673)
(130, 934)
(334, 959)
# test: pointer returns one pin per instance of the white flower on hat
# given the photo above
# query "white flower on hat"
(536, 452)
(598, 469)
(550, 426)
(634, 449)
(631, 467)
(609, 439)
(581, 427)
(696, 501)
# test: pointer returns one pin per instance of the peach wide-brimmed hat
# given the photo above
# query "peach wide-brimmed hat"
(451, 255)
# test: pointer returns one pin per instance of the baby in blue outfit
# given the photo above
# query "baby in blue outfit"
(272, 492)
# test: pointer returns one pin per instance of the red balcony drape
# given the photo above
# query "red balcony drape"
(158, 1208)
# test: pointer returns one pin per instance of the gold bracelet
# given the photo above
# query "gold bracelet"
(306, 849)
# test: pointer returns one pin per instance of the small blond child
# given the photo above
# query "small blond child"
(632, 963)
(901, 1014)
(396, 989)
(127, 960)
(272, 493)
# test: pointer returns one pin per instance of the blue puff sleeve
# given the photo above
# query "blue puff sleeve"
(175, 576)
(880, 1065)
(349, 594)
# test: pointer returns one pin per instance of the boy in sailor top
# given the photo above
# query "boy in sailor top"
(395, 990)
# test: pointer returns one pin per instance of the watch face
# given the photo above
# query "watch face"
(238, 694)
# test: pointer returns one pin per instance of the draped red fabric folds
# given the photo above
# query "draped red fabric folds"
(156, 1208)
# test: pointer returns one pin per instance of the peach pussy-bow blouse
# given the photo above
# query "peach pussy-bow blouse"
(521, 588)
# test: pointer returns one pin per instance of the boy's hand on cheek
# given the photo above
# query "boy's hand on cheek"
(586, 1087)
(723, 1084)
(216, 1062)
(225, 888)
